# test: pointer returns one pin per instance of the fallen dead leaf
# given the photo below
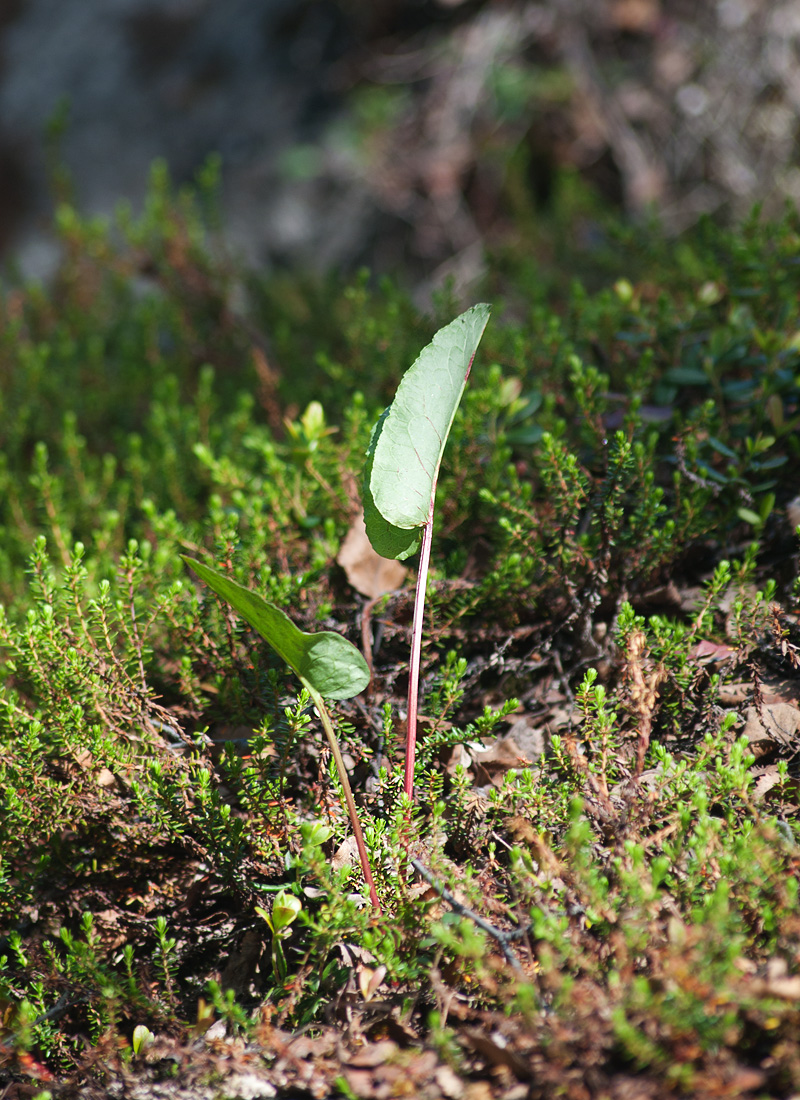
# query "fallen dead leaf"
(346, 854)
(780, 689)
(707, 651)
(732, 695)
(787, 989)
(305, 1047)
(369, 981)
(459, 758)
(449, 1084)
(530, 738)
(635, 16)
(776, 722)
(368, 572)
(478, 1090)
(373, 1055)
(360, 1083)
(767, 778)
(492, 763)
(497, 1052)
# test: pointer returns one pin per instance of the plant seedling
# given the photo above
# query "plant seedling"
(285, 911)
(142, 1039)
(402, 468)
(325, 663)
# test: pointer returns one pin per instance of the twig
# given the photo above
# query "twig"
(368, 646)
(64, 1003)
(503, 938)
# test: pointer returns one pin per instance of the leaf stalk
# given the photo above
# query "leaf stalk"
(333, 741)
(416, 649)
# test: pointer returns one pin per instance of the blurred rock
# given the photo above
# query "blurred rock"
(179, 79)
(676, 107)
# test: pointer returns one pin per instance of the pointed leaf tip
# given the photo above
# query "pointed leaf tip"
(408, 440)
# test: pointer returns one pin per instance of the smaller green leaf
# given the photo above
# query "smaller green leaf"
(686, 376)
(721, 448)
(142, 1039)
(325, 661)
(314, 833)
(749, 516)
(265, 916)
(284, 911)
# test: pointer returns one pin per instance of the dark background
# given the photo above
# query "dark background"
(404, 135)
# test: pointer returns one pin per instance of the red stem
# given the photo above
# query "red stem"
(416, 647)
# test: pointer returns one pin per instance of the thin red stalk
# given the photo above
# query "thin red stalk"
(416, 647)
(348, 794)
(416, 631)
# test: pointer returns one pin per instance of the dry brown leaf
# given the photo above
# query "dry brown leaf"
(496, 1050)
(368, 572)
(530, 738)
(707, 651)
(635, 16)
(732, 695)
(787, 989)
(777, 722)
(304, 1047)
(369, 980)
(373, 1055)
(490, 765)
(449, 1084)
(346, 854)
(478, 1090)
(459, 758)
(84, 759)
(767, 778)
(776, 688)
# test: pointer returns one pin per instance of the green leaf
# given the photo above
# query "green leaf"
(749, 516)
(408, 441)
(686, 376)
(142, 1039)
(325, 661)
(285, 910)
(386, 539)
(314, 833)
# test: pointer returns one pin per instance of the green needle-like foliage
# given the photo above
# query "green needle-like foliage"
(615, 548)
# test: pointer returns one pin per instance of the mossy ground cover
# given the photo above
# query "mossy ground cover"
(594, 890)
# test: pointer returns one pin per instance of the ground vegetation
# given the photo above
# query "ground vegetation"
(593, 890)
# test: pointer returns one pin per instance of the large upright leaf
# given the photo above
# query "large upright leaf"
(387, 540)
(326, 662)
(408, 441)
